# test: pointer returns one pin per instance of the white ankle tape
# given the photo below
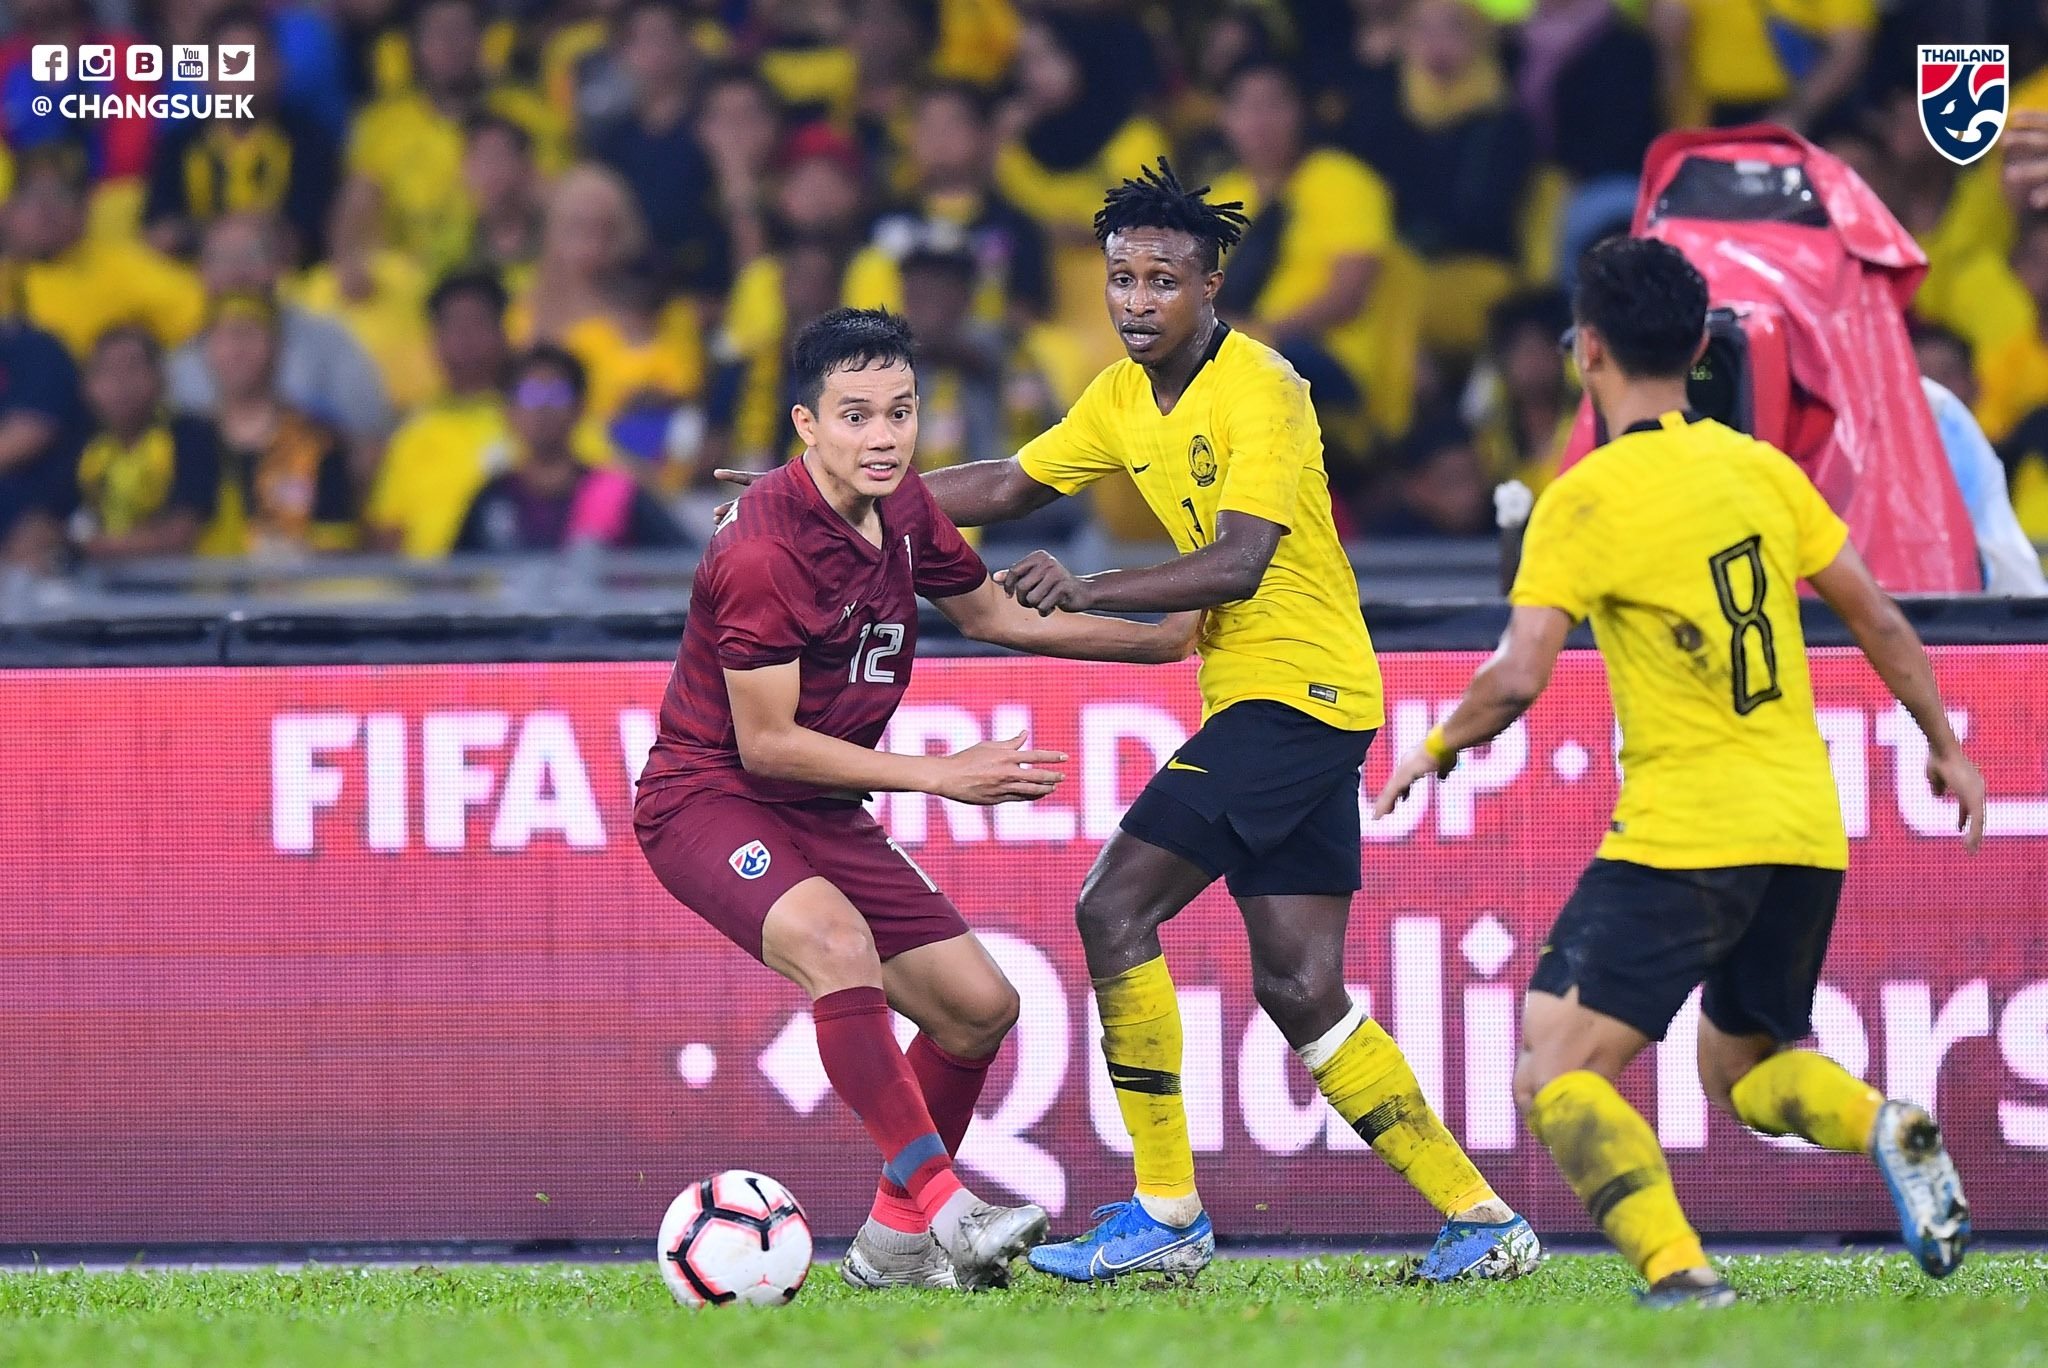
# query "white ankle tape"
(1317, 1052)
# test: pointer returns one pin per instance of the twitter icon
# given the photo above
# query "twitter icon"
(236, 61)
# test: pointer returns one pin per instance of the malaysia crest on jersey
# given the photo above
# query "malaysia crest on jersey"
(1962, 98)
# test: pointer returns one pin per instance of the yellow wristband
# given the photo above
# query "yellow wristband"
(1435, 746)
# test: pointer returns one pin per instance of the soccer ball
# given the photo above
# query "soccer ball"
(735, 1237)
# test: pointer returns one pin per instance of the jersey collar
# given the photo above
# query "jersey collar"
(1664, 420)
(816, 498)
(1215, 346)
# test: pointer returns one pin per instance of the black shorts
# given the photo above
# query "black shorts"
(1263, 796)
(1636, 941)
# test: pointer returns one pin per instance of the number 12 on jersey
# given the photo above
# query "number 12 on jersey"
(867, 659)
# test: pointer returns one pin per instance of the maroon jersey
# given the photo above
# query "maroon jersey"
(787, 578)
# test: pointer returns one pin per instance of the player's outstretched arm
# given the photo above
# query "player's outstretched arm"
(971, 494)
(1227, 570)
(976, 493)
(986, 613)
(1896, 653)
(773, 745)
(1511, 679)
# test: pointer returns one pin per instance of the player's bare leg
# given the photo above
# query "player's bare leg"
(1297, 950)
(1134, 889)
(815, 938)
(1564, 1085)
(1781, 1091)
(964, 1008)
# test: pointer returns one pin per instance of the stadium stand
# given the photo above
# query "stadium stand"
(664, 190)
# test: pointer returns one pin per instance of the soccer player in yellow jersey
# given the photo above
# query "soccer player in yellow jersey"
(1218, 432)
(1684, 542)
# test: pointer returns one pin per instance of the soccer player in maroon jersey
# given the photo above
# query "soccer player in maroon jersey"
(796, 652)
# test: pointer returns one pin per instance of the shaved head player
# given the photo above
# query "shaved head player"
(797, 650)
(1219, 435)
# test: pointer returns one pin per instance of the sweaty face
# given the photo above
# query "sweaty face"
(864, 431)
(1156, 289)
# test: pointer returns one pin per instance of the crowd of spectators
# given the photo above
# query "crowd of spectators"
(503, 275)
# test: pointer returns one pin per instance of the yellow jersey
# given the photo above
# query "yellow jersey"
(433, 468)
(1685, 542)
(1241, 439)
(1738, 48)
(102, 283)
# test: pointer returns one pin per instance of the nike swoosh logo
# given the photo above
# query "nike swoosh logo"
(1192, 769)
(1140, 470)
(1101, 1264)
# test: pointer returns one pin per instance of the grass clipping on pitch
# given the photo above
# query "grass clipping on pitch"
(1800, 1308)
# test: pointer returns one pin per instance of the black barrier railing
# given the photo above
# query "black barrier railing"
(401, 635)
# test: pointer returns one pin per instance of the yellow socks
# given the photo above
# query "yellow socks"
(1798, 1092)
(1362, 1072)
(1610, 1156)
(1142, 1042)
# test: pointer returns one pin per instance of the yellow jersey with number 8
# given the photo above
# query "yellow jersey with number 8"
(1685, 542)
(1242, 438)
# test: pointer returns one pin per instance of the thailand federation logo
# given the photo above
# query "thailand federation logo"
(1962, 98)
(750, 861)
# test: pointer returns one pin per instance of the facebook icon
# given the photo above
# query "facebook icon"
(51, 63)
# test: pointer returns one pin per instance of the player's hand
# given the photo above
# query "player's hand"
(1415, 766)
(1953, 775)
(1040, 581)
(742, 478)
(999, 772)
(2026, 158)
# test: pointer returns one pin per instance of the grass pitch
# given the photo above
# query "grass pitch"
(1800, 1309)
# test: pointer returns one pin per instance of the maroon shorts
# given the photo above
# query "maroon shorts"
(728, 858)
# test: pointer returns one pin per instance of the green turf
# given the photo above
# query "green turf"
(1801, 1309)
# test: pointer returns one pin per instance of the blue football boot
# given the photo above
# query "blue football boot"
(1934, 1219)
(1498, 1250)
(1128, 1240)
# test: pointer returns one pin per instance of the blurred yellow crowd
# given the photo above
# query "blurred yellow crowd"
(468, 256)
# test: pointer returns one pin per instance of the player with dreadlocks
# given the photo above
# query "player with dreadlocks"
(1218, 432)
(1219, 435)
